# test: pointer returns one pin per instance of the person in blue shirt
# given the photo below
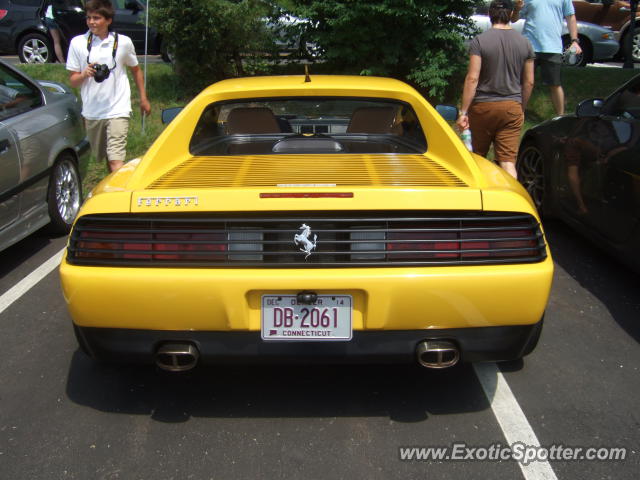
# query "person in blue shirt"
(544, 21)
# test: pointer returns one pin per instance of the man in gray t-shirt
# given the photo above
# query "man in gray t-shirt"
(497, 87)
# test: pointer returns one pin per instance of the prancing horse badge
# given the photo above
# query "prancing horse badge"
(302, 239)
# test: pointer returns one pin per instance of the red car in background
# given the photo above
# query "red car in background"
(615, 14)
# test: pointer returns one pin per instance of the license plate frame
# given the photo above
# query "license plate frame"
(328, 319)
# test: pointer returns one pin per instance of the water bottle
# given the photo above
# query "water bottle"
(466, 139)
(573, 58)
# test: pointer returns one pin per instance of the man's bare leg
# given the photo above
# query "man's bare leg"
(557, 98)
(115, 165)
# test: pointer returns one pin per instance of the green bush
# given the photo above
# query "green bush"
(209, 38)
(420, 41)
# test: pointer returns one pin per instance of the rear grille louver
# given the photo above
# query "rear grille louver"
(342, 239)
(392, 170)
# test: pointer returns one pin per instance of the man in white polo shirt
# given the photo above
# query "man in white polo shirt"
(97, 63)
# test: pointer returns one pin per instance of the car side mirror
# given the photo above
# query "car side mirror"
(589, 108)
(169, 114)
(448, 112)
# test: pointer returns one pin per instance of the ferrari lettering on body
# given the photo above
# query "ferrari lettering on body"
(167, 201)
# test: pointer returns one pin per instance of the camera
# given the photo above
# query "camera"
(102, 72)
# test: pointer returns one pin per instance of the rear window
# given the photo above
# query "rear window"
(308, 125)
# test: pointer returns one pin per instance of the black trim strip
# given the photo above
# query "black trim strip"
(24, 185)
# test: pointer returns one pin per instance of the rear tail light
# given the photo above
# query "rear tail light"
(151, 246)
(360, 239)
(3, 13)
(478, 244)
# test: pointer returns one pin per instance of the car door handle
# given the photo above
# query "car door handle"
(4, 146)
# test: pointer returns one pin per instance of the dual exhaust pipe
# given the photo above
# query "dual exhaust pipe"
(177, 357)
(437, 354)
(181, 357)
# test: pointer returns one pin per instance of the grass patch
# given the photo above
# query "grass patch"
(164, 91)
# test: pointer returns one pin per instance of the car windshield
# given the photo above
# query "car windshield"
(308, 125)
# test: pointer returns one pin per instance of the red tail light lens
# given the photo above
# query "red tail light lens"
(434, 245)
(465, 245)
(3, 13)
(144, 246)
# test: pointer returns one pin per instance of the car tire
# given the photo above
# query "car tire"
(64, 195)
(530, 167)
(166, 52)
(535, 338)
(82, 344)
(35, 48)
(635, 47)
(587, 51)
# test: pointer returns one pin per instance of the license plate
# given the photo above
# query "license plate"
(327, 319)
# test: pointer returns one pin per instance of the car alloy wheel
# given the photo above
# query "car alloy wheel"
(65, 194)
(531, 174)
(635, 47)
(35, 48)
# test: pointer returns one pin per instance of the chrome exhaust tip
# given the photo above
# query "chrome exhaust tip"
(437, 354)
(177, 357)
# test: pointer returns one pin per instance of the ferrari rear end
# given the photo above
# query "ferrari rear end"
(332, 221)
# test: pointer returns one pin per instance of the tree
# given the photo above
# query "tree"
(417, 40)
(208, 38)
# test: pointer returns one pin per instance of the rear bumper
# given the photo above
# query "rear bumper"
(475, 345)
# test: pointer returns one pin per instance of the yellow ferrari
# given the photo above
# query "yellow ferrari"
(328, 219)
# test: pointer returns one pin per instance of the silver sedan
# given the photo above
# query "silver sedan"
(42, 141)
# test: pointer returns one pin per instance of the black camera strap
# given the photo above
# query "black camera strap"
(113, 52)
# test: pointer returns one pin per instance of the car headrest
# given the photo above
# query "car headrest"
(252, 120)
(372, 120)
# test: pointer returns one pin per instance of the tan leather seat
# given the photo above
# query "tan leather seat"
(372, 120)
(255, 120)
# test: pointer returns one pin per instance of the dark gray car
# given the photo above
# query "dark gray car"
(22, 29)
(584, 168)
(42, 141)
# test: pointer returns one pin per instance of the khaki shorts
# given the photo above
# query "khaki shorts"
(108, 138)
(498, 123)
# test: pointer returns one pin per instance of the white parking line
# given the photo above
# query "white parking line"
(29, 281)
(511, 418)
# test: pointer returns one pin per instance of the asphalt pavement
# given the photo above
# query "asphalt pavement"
(64, 416)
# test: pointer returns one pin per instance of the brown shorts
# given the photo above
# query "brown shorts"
(498, 123)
